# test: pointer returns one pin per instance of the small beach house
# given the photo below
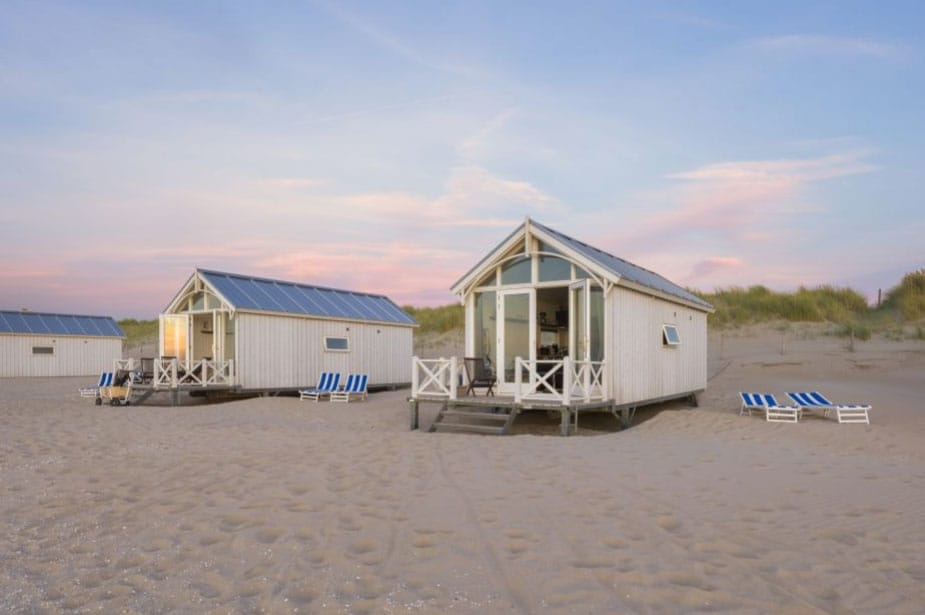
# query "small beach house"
(249, 334)
(52, 345)
(563, 325)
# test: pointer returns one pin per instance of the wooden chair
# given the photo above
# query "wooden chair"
(479, 375)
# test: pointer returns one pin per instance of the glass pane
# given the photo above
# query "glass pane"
(491, 279)
(581, 274)
(516, 272)
(577, 350)
(199, 302)
(516, 331)
(486, 317)
(175, 330)
(597, 324)
(552, 268)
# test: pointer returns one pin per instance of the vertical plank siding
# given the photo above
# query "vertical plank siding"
(72, 356)
(642, 367)
(284, 352)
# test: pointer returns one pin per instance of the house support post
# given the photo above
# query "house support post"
(565, 422)
(413, 412)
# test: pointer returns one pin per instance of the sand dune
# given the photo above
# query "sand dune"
(276, 505)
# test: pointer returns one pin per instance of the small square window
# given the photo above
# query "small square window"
(670, 336)
(43, 350)
(336, 344)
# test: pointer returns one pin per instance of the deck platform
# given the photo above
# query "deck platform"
(483, 414)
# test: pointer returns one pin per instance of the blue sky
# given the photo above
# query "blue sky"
(386, 146)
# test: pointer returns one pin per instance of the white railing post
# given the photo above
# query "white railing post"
(587, 379)
(517, 380)
(454, 378)
(415, 378)
(566, 380)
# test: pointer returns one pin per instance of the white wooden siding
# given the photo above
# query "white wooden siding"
(286, 352)
(641, 367)
(73, 356)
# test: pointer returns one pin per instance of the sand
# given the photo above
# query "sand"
(276, 505)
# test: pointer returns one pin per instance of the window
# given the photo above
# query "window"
(337, 344)
(670, 336)
(516, 271)
(43, 350)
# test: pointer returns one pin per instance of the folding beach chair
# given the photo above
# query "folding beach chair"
(327, 384)
(94, 391)
(845, 413)
(774, 411)
(354, 387)
(479, 375)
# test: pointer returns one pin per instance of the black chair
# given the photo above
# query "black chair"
(479, 375)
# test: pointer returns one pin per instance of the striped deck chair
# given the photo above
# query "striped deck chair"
(94, 391)
(327, 384)
(354, 387)
(774, 411)
(845, 413)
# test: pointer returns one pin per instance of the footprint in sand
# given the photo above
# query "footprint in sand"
(269, 535)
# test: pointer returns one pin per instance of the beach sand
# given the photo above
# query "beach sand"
(276, 505)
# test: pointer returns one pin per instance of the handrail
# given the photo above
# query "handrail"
(171, 373)
(434, 377)
(581, 380)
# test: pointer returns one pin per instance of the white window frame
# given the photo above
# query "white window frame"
(667, 337)
(327, 348)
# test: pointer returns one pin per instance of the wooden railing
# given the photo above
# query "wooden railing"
(434, 377)
(172, 373)
(561, 381)
(581, 381)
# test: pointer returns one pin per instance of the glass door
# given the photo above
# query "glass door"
(516, 333)
(579, 330)
(175, 336)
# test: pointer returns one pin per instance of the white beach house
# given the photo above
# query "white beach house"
(567, 326)
(249, 334)
(52, 345)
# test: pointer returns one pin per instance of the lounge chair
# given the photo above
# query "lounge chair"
(774, 411)
(354, 387)
(327, 384)
(845, 413)
(94, 391)
(479, 375)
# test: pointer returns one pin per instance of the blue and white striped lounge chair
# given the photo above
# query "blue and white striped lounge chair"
(354, 387)
(94, 391)
(327, 384)
(845, 413)
(774, 411)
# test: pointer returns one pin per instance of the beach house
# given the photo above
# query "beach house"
(52, 345)
(557, 324)
(224, 331)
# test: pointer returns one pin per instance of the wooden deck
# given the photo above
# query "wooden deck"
(496, 414)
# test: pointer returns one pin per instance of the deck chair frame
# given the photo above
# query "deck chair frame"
(327, 384)
(354, 388)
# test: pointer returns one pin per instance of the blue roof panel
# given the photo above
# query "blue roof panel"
(626, 269)
(41, 323)
(260, 294)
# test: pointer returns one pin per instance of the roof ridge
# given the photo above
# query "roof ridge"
(289, 282)
(35, 313)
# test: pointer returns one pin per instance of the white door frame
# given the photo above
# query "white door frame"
(503, 385)
(579, 342)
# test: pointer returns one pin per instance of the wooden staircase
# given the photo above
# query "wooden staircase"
(483, 419)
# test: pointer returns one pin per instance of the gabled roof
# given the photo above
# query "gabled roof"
(40, 323)
(277, 296)
(609, 266)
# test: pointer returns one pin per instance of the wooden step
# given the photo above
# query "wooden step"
(469, 428)
(491, 416)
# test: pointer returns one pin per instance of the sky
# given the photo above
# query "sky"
(386, 147)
